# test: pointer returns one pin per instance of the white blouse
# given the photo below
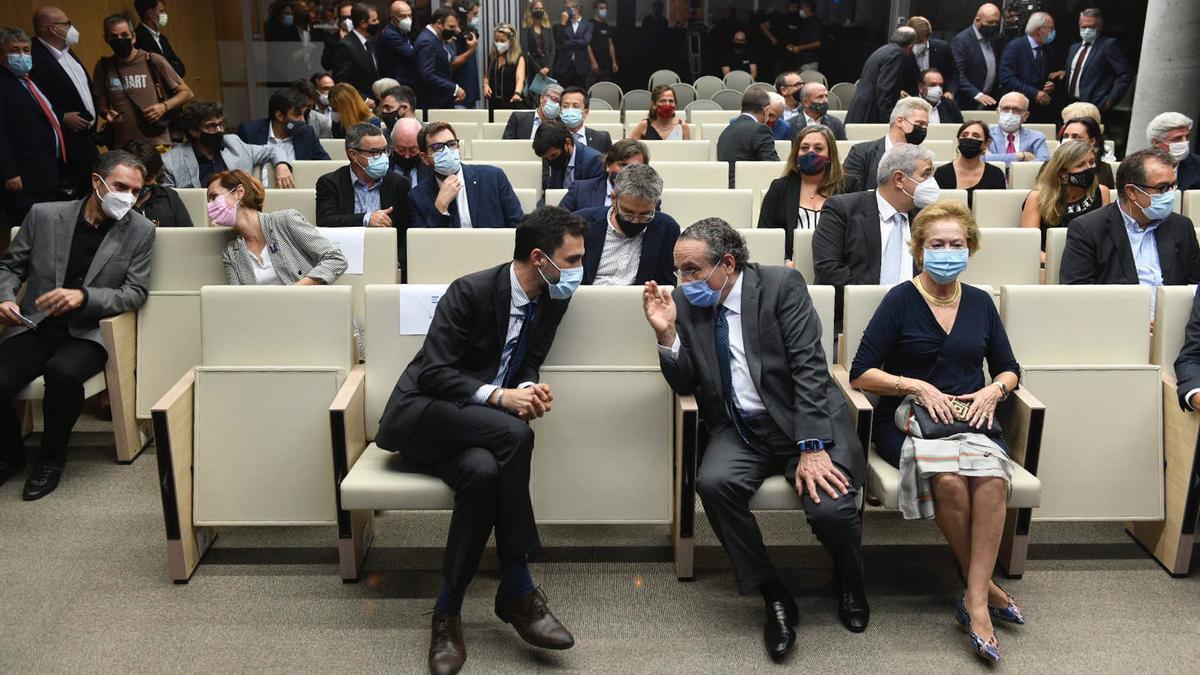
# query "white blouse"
(264, 271)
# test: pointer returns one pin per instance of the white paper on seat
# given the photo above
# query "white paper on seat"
(352, 242)
(417, 304)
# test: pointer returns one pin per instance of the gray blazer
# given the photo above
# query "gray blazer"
(116, 282)
(180, 169)
(297, 250)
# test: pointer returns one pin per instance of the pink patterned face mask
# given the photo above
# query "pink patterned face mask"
(221, 212)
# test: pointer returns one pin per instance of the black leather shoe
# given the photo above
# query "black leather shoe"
(447, 652)
(853, 609)
(779, 636)
(532, 619)
(9, 467)
(43, 479)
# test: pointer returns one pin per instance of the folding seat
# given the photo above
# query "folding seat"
(456, 116)
(528, 198)
(729, 99)
(943, 132)
(306, 172)
(737, 80)
(802, 255)
(608, 92)
(243, 438)
(439, 256)
(195, 201)
(758, 175)
(492, 131)
(844, 91)
(300, 199)
(687, 206)
(616, 130)
(335, 148)
(500, 116)
(998, 208)
(1024, 175)
(1191, 204)
(865, 132)
(765, 245)
(1047, 128)
(1056, 242)
(521, 174)
(705, 117)
(662, 76)
(554, 196)
(943, 151)
(467, 133)
(711, 175)
(680, 151)
(783, 149)
(707, 85)
(988, 117)
(521, 150)
(954, 194)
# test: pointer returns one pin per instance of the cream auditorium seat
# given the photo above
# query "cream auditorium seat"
(503, 151)
(715, 117)
(603, 117)
(953, 194)
(554, 196)
(989, 117)
(998, 208)
(1051, 145)
(865, 132)
(528, 198)
(695, 175)
(1024, 174)
(1056, 243)
(943, 132)
(757, 175)
(378, 264)
(492, 131)
(802, 254)
(1006, 256)
(1021, 418)
(521, 174)
(1048, 129)
(306, 172)
(1171, 540)
(711, 131)
(1084, 351)
(1180, 195)
(439, 256)
(943, 151)
(1191, 204)
(243, 439)
(844, 148)
(456, 116)
(782, 148)
(302, 200)
(501, 116)
(765, 245)
(679, 151)
(467, 133)
(336, 148)
(688, 206)
(616, 130)
(195, 201)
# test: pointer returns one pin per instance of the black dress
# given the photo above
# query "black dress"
(1075, 209)
(503, 81)
(905, 339)
(992, 179)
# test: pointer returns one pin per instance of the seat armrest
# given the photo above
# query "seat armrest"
(119, 334)
(173, 441)
(347, 418)
(860, 407)
(1022, 418)
(687, 444)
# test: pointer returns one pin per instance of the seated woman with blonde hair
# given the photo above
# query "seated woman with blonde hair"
(923, 353)
(1068, 186)
(348, 109)
(270, 249)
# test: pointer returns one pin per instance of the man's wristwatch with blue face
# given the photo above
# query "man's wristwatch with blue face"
(813, 445)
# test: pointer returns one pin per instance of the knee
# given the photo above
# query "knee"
(479, 471)
(517, 438)
(59, 377)
(715, 485)
(950, 492)
(832, 513)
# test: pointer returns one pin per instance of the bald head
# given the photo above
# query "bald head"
(988, 11)
(404, 137)
(49, 23)
(401, 9)
(1015, 100)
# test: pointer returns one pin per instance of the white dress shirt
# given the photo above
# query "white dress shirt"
(154, 34)
(789, 113)
(580, 136)
(75, 73)
(886, 214)
(264, 271)
(934, 117)
(286, 149)
(537, 122)
(1081, 59)
(464, 208)
(516, 318)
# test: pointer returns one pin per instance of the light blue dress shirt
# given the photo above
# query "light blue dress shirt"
(1026, 140)
(1144, 244)
(366, 199)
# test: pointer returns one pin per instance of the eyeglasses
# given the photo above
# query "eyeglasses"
(692, 273)
(437, 147)
(640, 218)
(924, 125)
(382, 152)
(1161, 188)
(213, 127)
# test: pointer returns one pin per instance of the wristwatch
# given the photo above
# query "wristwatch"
(1003, 390)
(813, 445)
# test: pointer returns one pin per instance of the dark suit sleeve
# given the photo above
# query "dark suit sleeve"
(1010, 75)
(445, 344)
(664, 268)
(530, 369)
(329, 214)
(1079, 264)
(604, 141)
(1187, 364)
(244, 134)
(829, 243)
(424, 213)
(395, 42)
(1191, 255)
(891, 76)
(839, 129)
(1122, 74)
(855, 167)
(771, 214)
(764, 144)
(959, 48)
(801, 328)
(948, 69)
(510, 204)
(427, 70)
(570, 201)
(510, 127)
(318, 150)
(341, 61)
(680, 373)
(131, 294)
(14, 265)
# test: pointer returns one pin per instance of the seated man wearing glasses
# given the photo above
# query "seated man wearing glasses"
(460, 195)
(365, 193)
(630, 242)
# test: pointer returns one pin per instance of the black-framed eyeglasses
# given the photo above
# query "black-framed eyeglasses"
(381, 152)
(640, 218)
(1161, 188)
(437, 147)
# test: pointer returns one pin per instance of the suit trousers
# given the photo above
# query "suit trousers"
(484, 455)
(65, 362)
(731, 472)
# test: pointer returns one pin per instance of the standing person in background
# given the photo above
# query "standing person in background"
(505, 77)
(976, 53)
(280, 25)
(1097, 70)
(153, 17)
(436, 88)
(464, 63)
(572, 37)
(603, 49)
(1026, 66)
(929, 52)
(796, 36)
(879, 87)
(355, 61)
(538, 42)
(740, 57)
(395, 48)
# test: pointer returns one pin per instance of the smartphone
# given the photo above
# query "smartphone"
(27, 322)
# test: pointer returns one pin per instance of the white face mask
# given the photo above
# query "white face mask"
(162, 20)
(1179, 150)
(927, 192)
(1010, 122)
(335, 116)
(919, 48)
(115, 204)
(72, 36)
(501, 47)
(405, 25)
(933, 94)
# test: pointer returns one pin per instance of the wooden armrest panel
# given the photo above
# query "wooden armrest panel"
(119, 334)
(173, 418)
(1022, 417)
(860, 407)
(348, 419)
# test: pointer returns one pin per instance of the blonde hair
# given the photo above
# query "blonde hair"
(346, 100)
(513, 55)
(1052, 192)
(1081, 109)
(945, 209)
(831, 184)
(528, 20)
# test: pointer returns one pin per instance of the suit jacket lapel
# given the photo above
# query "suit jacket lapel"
(870, 224)
(791, 211)
(471, 185)
(1116, 229)
(651, 241)
(751, 338)
(594, 246)
(501, 305)
(1166, 261)
(108, 246)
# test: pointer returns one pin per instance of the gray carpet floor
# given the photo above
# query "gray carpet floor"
(83, 588)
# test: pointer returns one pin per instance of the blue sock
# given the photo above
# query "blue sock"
(514, 577)
(450, 601)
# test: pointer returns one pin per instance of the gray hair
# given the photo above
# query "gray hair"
(1166, 122)
(640, 182)
(553, 89)
(904, 158)
(114, 158)
(1092, 12)
(10, 35)
(721, 239)
(360, 131)
(907, 106)
(381, 85)
(904, 37)
(777, 99)
(807, 91)
(1036, 21)
(403, 122)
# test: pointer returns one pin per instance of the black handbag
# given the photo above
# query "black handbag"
(914, 419)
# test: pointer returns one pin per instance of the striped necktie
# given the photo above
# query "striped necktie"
(48, 113)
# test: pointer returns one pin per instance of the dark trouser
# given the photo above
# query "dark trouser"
(65, 363)
(483, 455)
(731, 472)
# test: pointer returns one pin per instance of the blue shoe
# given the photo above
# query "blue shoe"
(1009, 614)
(988, 650)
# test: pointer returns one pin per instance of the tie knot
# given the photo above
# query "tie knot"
(1011, 137)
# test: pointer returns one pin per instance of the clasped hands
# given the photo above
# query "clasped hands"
(980, 414)
(524, 402)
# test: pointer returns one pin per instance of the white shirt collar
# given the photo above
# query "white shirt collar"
(733, 301)
(271, 134)
(153, 33)
(886, 210)
(58, 53)
(360, 37)
(519, 299)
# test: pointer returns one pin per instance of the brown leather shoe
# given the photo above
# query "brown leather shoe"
(447, 653)
(533, 621)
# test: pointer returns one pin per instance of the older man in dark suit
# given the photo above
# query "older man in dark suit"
(882, 79)
(976, 53)
(746, 341)
(572, 38)
(909, 123)
(78, 262)
(1027, 66)
(59, 73)
(461, 411)
(1097, 70)
(748, 138)
(814, 109)
(929, 52)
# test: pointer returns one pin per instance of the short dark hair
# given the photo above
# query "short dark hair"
(112, 159)
(782, 77)
(307, 88)
(194, 113)
(145, 152)
(551, 134)
(317, 77)
(116, 19)
(755, 100)
(143, 6)
(361, 12)
(359, 131)
(285, 100)
(545, 229)
(439, 15)
(431, 129)
(402, 93)
(587, 100)
(625, 150)
(1132, 169)
(1093, 128)
(721, 239)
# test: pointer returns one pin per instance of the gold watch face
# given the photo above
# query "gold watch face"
(960, 408)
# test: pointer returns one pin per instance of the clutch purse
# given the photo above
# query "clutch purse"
(915, 420)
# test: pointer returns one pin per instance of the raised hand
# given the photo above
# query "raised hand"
(660, 312)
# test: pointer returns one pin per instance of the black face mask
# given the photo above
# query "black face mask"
(405, 163)
(122, 47)
(537, 14)
(970, 147)
(447, 34)
(213, 142)
(916, 136)
(630, 228)
(820, 108)
(1082, 179)
(291, 128)
(390, 118)
(989, 32)
(739, 46)
(560, 163)
(374, 28)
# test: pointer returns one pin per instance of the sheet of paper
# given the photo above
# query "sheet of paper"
(352, 241)
(417, 305)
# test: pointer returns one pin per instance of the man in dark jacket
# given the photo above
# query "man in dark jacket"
(748, 138)
(882, 78)
(149, 36)
(59, 73)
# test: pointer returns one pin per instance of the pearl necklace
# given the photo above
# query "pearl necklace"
(940, 302)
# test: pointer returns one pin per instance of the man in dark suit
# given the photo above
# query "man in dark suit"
(365, 193)
(149, 37)
(564, 160)
(395, 47)
(285, 126)
(457, 194)
(59, 73)
(862, 237)
(748, 138)
(1139, 239)
(976, 53)
(461, 410)
(1027, 67)
(882, 78)
(576, 105)
(631, 241)
(523, 123)
(79, 262)
(355, 61)
(1187, 364)
(929, 52)
(1171, 132)
(932, 88)
(33, 152)
(909, 123)
(746, 341)
(814, 109)
(1097, 70)
(572, 37)
(435, 79)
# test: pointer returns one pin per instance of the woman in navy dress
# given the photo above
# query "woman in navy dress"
(929, 339)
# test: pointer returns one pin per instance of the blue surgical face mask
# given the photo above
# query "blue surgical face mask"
(945, 264)
(572, 117)
(447, 162)
(568, 281)
(378, 166)
(1050, 36)
(1089, 35)
(700, 294)
(1160, 207)
(550, 109)
(20, 64)
(288, 19)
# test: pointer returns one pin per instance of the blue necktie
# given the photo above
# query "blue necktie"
(725, 358)
(517, 345)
